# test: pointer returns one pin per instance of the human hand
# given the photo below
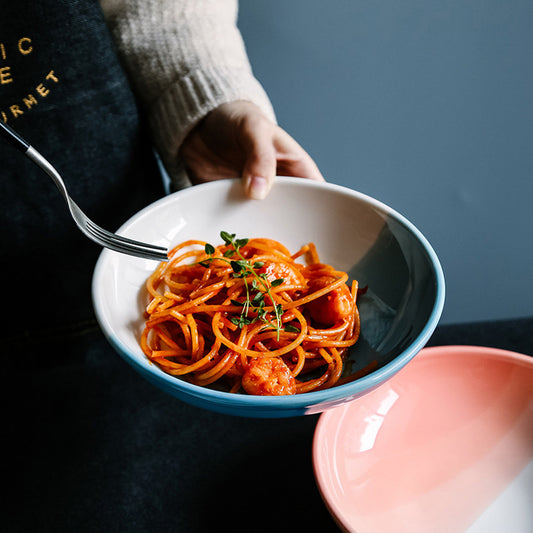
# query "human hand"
(238, 140)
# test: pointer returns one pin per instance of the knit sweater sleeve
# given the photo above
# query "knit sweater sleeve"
(184, 58)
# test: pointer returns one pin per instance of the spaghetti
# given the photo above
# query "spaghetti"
(248, 314)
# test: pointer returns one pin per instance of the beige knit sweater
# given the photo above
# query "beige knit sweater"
(184, 58)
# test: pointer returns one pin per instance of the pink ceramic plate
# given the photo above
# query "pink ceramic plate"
(446, 445)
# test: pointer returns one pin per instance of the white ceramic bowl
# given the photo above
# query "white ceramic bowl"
(352, 232)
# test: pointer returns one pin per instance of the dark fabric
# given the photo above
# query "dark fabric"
(63, 90)
(514, 335)
(89, 446)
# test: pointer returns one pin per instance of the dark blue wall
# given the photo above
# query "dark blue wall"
(427, 106)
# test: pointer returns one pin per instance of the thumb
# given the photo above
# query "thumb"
(259, 169)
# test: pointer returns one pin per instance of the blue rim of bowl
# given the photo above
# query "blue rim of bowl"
(298, 401)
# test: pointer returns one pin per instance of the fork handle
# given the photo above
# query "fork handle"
(13, 138)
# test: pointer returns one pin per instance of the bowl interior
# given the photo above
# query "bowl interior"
(378, 247)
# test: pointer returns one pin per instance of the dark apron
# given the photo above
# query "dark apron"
(63, 90)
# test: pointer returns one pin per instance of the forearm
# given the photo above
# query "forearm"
(184, 59)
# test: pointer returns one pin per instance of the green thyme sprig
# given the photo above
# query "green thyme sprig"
(255, 290)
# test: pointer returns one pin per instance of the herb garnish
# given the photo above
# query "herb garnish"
(255, 290)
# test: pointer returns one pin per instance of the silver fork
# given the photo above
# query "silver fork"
(85, 224)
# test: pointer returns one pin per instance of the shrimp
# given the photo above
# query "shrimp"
(274, 271)
(268, 376)
(333, 306)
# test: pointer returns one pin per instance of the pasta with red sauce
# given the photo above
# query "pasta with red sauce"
(250, 315)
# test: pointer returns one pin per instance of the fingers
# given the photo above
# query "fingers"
(259, 168)
(272, 151)
(293, 160)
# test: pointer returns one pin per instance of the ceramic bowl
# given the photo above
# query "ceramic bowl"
(352, 232)
(445, 445)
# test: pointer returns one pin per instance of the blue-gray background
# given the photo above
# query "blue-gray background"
(425, 105)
